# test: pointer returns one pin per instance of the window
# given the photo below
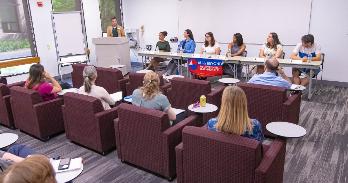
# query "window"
(16, 39)
(109, 9)
(66, 5)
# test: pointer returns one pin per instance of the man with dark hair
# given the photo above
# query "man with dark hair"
(303, 51)
(273, 75)
(115, 30)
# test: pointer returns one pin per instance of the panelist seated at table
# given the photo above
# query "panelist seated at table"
(150, 96)
(273, 75)
(89, 88)
(301, 52)
(233, 117)
(115, 30)
(14, 154)
(33, 169)
(210, 46)
(188, 45)
(162, 45)
(235, 48)
(271, 49)
(43, 82)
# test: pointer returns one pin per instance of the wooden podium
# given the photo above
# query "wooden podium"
(112, 51)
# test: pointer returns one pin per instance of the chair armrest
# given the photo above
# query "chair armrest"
(21, 83)
(106, 125)
(291, 108)
(128, 92)
(271, 168)
(172, 137)
(122, 85)
(179, 149)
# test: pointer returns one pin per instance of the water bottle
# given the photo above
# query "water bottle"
(309, 58)
(202, 101)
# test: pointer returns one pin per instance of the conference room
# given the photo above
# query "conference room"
(173, 91)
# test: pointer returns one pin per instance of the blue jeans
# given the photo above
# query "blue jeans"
(20, 150)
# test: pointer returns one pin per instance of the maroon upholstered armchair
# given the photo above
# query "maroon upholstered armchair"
(41, 119)
(87, 123)
(136, 81)
(111, 79)
(77, 75)
(270, 103)
(184, 91)
(145, 138)
(6, 117)
(206, 156)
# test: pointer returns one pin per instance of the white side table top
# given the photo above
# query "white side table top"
(7, 139)
(170, 77)
(229, 80)
(117, 66)
(144, 71)
(73, 90)
(297, 87)
(69, 175)
(286, 129)
(116, 96)
(207, 109)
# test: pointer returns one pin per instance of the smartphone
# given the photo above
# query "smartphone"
(64, 164)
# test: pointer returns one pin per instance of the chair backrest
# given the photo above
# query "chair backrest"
(136, 81)
(265, 102)
(5, 107)
(22, 101)
(79, 110)
(140, 135)
(185, 91)
(108, 79)
(77, 75)
(217, 157)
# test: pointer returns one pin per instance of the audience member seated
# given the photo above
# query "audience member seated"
(188, 45)
(34, 169)
(271, 49)
(149, 96)
(235, 48)
(89, 88)
(233, 117)
(301, 52)
(210, 45)
(162, 45)
(271, 75)
(43, 82)
(14, 154)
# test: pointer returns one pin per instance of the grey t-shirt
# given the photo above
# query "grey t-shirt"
(159, 102)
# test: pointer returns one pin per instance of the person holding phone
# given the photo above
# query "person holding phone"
(43, 82)
(273, 75)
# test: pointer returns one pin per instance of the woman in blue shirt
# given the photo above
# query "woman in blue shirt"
(233, 117)
(188, 45)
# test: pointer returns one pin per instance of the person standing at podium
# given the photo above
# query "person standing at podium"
(115, 30)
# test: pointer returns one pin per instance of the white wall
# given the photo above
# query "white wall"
(329, 25)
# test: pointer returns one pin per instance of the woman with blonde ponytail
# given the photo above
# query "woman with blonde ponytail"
(89, 87)
(233, 117)
(150, 96)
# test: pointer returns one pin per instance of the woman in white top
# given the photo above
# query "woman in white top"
(271, 49)
(210, 45)
(89, 87)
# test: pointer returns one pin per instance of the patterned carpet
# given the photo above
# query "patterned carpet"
(320, 156)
